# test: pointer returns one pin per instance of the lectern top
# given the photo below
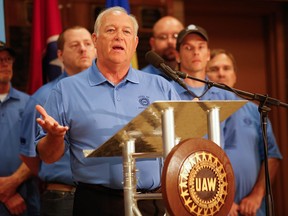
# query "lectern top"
(190, 120)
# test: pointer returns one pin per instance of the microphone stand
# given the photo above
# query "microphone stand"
(263, 108)
(244, 94)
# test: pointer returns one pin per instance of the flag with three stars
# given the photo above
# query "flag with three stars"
(46, 27)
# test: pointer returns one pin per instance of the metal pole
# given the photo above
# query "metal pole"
(129, 169)
(168, 130)
(213, 121)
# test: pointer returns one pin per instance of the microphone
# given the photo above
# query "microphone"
(158, 62)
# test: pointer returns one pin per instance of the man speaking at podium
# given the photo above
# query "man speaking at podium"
(85, 110)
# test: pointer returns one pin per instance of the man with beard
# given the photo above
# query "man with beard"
(163, 42)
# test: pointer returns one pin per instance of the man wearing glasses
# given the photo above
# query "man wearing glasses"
(18, 191)
(163, 42)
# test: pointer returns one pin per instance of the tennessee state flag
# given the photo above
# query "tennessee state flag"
(46, 27)
(126, 6)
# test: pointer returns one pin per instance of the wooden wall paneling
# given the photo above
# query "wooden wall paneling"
(77, 12)
(18, 17)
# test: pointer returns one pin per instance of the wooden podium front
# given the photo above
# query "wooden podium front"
(197, 178)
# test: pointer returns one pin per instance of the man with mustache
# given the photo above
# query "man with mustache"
(163, 42)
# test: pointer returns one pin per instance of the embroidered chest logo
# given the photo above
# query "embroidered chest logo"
(144, 101)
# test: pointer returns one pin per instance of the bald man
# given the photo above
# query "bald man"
(163, 42)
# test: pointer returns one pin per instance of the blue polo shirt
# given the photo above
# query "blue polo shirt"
(11, 112)
(246, 150)
(60, 171)
(94, 109)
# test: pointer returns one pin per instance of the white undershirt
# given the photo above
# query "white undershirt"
(3, 96)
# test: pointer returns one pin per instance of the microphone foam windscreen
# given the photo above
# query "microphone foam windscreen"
(154, 59)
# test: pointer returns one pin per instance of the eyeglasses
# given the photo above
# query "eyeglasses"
(164, 37)
(7, 60)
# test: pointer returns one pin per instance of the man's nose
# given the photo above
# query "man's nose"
(221, 72)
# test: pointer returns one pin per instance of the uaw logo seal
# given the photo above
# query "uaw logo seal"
(204, 184)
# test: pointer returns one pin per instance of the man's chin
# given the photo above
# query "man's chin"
(169, 59)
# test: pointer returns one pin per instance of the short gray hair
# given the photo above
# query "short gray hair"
(98, 21)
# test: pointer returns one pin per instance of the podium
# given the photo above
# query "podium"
(156, 131)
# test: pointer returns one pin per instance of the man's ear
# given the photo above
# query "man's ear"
(209, 52)
(59, 55)
(152, 43)
(94, 39)
(178, 58)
